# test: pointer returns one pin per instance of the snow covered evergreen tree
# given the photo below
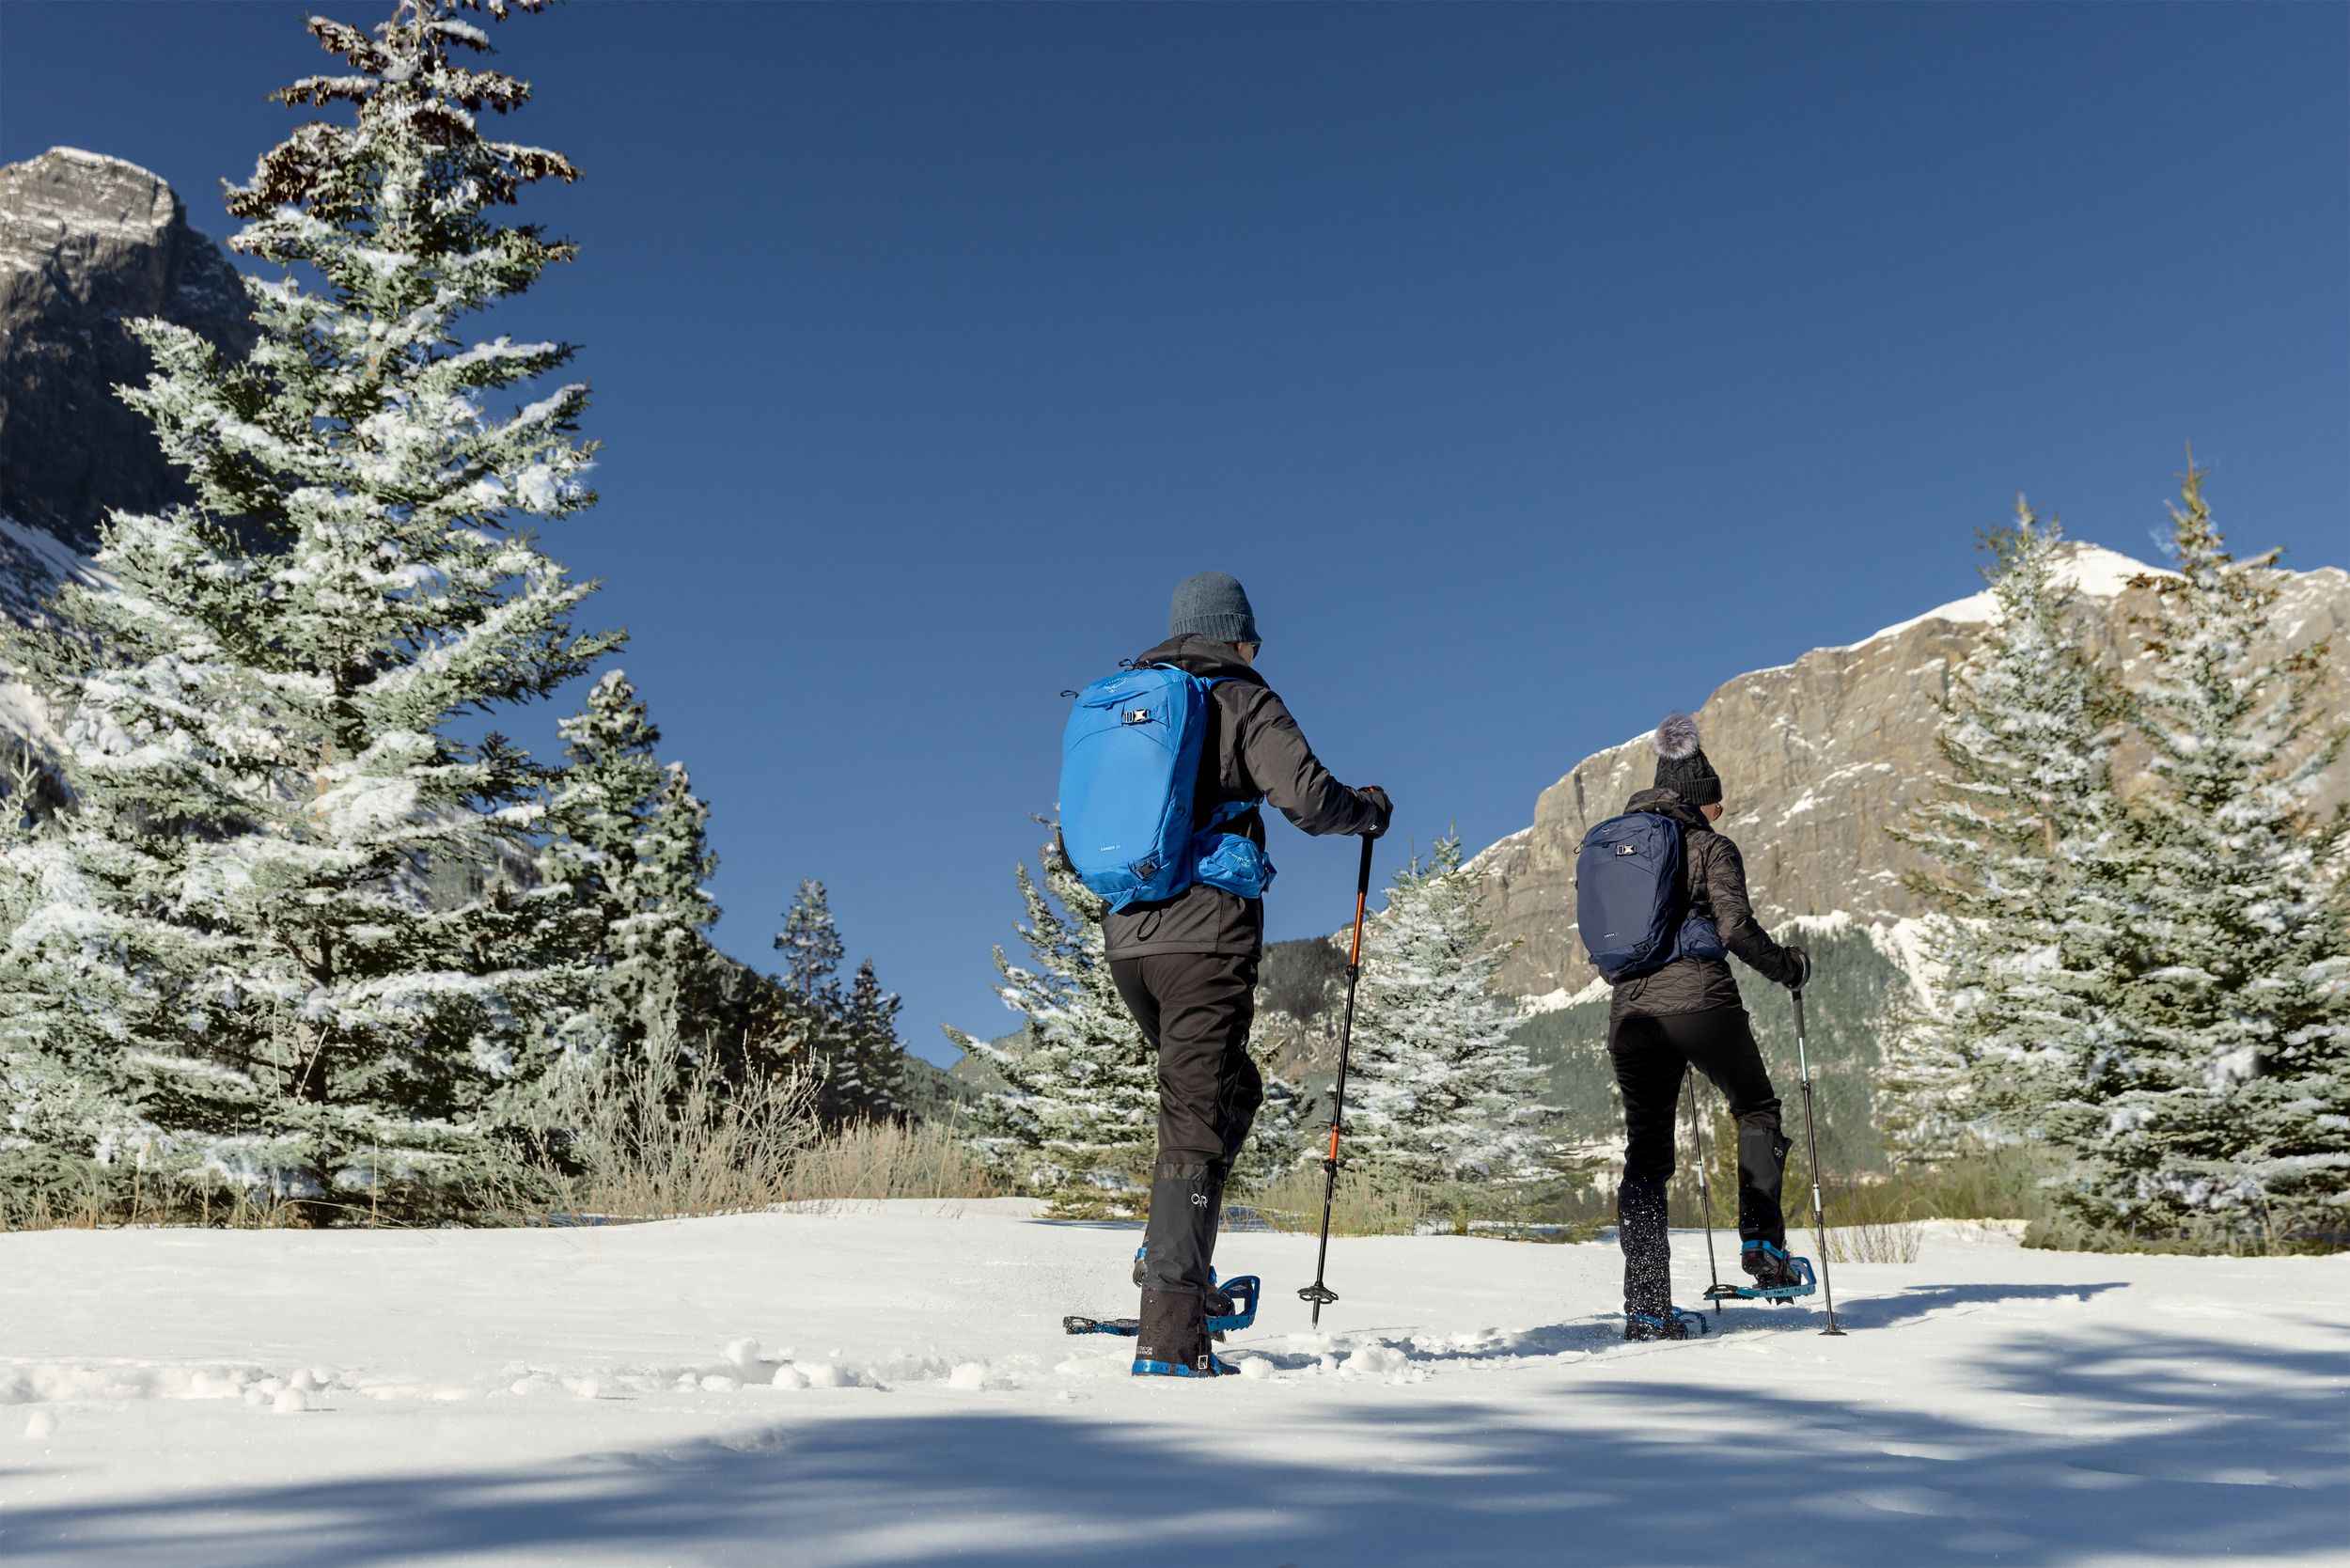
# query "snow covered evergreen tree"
(846, 1042)
(1441, 1089)
(872, 1062)
(811, 946)
(631, 843)
(2021, 945)
(1077, 1117)
(2229, 1123)
(228, 964)
(1284, 1137)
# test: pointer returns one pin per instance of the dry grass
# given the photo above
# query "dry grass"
(654, 1138)
(1891, 1242)
(888, 1159)
(100, 1200)
(1364, 1205)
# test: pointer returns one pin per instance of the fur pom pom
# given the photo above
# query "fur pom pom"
(1677, 737)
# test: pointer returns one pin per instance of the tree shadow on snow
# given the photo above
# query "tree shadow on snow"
(1915, 1301)
(2213, 1448)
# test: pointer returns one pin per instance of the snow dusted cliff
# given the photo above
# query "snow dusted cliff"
(1820, 755)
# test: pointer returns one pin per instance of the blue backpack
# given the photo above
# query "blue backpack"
(1627, 898)
(1129, 766)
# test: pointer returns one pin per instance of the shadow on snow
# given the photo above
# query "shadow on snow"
(2215, 1449)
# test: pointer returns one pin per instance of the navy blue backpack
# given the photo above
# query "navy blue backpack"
(1129, 768)
(1627, 898)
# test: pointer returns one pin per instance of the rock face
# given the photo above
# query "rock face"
(87, 243)
(1819, 756)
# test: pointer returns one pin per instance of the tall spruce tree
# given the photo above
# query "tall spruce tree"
(872, 1066)
(227, 934)
(2229, 1119)
(847, 1041)
(2022, 943)
(811, 947)
(1076, 1119)
(631, 843)
(1442, 1090)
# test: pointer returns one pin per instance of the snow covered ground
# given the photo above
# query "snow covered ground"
(892, 1386)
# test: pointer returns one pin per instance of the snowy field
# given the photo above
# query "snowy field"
(893, 1387)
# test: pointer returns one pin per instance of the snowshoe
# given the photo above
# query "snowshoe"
(1776, 1276)
(1209, 1365)
(1172, 1337)
(1675, 1324)
(1229, 1307)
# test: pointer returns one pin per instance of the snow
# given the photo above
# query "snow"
(2090, 570)
(888, 1383)
(1560, 999)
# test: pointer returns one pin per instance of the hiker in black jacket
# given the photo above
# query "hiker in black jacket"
(1688, 1014)
(1187, 966)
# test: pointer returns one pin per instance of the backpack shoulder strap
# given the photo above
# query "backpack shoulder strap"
(1231, 810)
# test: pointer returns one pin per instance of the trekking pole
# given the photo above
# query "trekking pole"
(1705, 1196)
(1318, 1293)
(1812, 1138)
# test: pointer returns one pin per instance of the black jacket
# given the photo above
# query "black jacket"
(1252, 748)
(1715, 882)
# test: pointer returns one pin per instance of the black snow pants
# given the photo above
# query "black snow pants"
(1195, 1010)
(1651, 1055)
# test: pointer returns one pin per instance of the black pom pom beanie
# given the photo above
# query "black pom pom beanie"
(1681, 764)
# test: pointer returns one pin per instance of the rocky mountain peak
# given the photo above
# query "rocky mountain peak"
(88, 243)
(1819, 757)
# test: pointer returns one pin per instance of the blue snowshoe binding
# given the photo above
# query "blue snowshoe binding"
(1675, 1324)
(1235, 1310)
(1776, 1276)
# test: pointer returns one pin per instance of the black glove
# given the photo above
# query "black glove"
(1382, 809)
(1803, 966)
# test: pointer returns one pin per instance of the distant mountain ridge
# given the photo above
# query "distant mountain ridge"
(1820, 755)
(87, 243)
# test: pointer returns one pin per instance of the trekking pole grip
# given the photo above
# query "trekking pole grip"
(1362, 897)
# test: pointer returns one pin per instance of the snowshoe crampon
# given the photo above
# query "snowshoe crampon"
(1675, 1324)
(1803, 1283)
(1242, 1289)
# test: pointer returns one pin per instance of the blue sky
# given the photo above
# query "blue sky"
(1538, 369)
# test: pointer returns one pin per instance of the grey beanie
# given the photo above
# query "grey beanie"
(1213, 605)
(1681, 764)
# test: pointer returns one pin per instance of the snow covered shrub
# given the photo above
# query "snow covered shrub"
(231, 965)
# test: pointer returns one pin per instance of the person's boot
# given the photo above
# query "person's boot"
(1648, 1286)
(1768, 1266)
(1173, 1338)
(1217, 1303)
(1673, 1323)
